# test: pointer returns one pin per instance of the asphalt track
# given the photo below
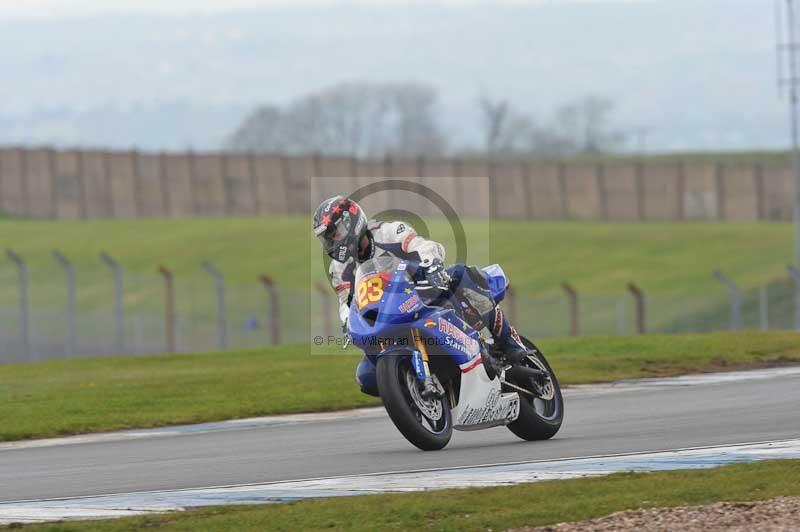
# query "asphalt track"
(635, 417)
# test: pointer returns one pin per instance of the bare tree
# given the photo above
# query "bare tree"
(506, 131)
(585, 125)
(355, 119)
(260, 128)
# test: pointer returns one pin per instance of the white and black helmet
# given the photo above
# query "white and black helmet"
(340, 224)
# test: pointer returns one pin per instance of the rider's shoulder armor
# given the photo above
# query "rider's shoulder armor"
(394, 237)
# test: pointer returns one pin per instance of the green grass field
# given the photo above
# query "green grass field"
(89, 395)
(672, 262)
(595, 257)
(502, 508)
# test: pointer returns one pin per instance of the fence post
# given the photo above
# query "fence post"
(191, 157)
(24, 176)
(107, 184)
(638, 298)
(274, 308)
(719, 190)
(735, 296)
(138, 186)
(252, 169)
(602, 193)
(326, 315)
(763, 308)
(53, 168)
(388, 166)
(639, 184)
(680, 190)
(163, 183)
(758, 184)
(574, 318)
(169, 308)
(222, 318)
(24, 304)
(69, 271)
(562, 190)
(119, 309)
(794, 272)
(83, 200)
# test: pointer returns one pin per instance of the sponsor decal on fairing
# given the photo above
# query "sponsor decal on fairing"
(410, 304)
(463, 342)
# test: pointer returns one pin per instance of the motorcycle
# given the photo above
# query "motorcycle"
(435, 372)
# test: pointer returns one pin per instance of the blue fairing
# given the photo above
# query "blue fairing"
(386, 322)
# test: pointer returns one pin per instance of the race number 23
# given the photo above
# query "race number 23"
(369, 291)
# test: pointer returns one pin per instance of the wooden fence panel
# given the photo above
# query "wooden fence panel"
(661, 196)
(544, 192)
(155, 200)
(13, 194)
(700, 201)
(623, 196)
(46, 183)
(741, 197)
(582, 188)
(239, 185)
(124, 194)
(178, 185)
(37, 196)
(271, 184)
(508, 187)
(298, 177)
(778, 190)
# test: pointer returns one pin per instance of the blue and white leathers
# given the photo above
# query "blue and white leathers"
(389, 314)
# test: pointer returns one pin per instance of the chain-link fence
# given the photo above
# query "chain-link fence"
(70, 312)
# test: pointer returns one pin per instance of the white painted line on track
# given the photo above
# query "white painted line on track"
(583, 390)
(125, 504)
(217, 426)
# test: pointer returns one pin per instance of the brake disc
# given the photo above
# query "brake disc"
(431, 408)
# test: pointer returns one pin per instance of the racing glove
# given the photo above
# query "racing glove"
(435, 275)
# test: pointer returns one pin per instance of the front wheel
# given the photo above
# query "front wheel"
(425, 422)
(539, 417)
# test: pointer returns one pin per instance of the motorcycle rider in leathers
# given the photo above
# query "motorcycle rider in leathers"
(349, 239)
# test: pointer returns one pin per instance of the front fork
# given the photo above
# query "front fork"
(430, 383)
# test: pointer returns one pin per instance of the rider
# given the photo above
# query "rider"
(349, 239)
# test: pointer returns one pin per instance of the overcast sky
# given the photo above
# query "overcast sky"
(697, 74)
(12, 9)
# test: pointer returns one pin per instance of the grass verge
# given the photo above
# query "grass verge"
(90, 395)
(484, 508)
(596, 257)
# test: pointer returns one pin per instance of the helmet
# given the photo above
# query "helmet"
(340, 224)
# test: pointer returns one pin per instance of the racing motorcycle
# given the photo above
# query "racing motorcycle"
(435, 372)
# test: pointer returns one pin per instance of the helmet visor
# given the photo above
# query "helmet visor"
(334, 233)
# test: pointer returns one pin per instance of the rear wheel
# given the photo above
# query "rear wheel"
(425, 422)
(539, 418)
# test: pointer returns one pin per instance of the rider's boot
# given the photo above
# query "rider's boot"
(505, 337)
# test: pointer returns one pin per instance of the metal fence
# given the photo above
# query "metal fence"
(73, 312)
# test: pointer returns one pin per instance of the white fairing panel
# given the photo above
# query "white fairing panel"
(481, 404)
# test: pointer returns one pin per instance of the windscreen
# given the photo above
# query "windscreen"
(372, 277)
